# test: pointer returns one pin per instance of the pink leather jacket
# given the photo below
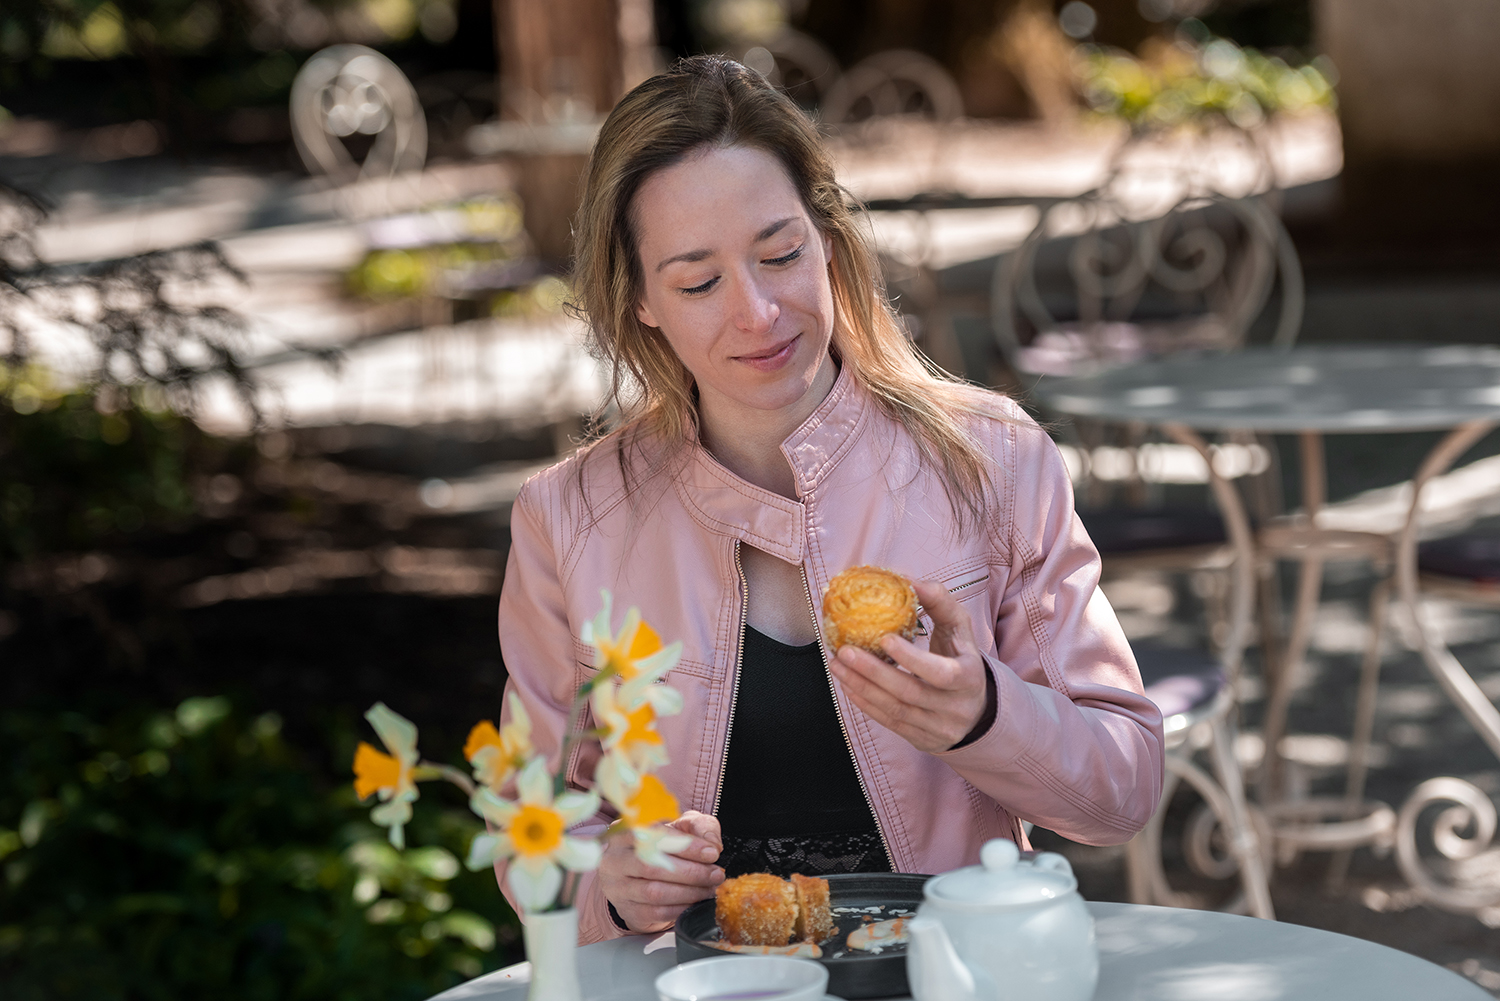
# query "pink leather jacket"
(1075, 747)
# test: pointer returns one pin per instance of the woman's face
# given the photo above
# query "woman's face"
(736, 279)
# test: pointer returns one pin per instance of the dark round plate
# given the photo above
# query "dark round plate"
(852, 974)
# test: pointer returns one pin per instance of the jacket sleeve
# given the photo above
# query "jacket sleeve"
(537, 647)
(1076, 747)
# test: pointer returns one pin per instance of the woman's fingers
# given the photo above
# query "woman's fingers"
(952, 629)
(935, 696)
(648, 898)
(704, 827)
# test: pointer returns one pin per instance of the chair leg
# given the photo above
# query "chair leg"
(1144, 877)
(1364, 725)
(1243, 840)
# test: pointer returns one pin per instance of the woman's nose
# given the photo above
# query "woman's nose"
(756, 308)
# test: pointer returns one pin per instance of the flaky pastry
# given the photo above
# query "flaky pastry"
(863, 604)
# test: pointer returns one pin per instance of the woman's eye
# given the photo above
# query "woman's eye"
(700, 289)
(787, 258)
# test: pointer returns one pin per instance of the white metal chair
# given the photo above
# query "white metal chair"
(1196, 693)
(346, 91)
(893, 83)
(1463, 568)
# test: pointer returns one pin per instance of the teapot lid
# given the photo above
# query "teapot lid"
(1004, 879)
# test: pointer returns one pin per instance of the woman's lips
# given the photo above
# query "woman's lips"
(773, 358)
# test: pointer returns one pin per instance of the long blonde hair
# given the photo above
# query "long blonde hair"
(709, 102)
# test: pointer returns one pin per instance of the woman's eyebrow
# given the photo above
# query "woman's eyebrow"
(693, 256)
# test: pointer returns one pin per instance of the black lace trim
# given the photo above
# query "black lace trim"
(811, 855)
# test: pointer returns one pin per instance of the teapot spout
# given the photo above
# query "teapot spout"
(934, 969)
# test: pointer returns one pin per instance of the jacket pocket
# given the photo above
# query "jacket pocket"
(963, 587)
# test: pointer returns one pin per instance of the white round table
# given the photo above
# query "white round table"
(1327, 389)
(1145, 954)
(1315, 391)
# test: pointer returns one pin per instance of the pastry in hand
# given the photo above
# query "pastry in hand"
(862, 604)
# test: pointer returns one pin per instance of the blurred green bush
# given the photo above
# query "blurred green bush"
(75, 474)
(1182, 83)
(169, 855)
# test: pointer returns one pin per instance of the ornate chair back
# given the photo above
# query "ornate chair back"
(344, 93)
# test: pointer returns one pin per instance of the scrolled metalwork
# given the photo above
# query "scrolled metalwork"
(349, 90)
(1465, 879)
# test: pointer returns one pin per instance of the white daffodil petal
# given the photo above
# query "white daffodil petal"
(535, 784)
(597, 629)
(667, 701)
(653, 846)
(576, 806)
(535, 887)
(660, 662)
(632, 694)
(491, 807)
(578, 854)
(394, 815)
(626, 636)
(482, 852)
(398, 733)
(616, 779)
(518, 715)
(648, 757)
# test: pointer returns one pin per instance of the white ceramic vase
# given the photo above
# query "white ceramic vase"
(552, 950)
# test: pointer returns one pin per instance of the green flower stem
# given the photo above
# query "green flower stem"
(580, 701)
(425, 770)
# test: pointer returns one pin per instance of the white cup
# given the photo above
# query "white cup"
(765, 978)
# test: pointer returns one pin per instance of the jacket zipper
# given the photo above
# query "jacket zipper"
(811, 607)
(739, 656)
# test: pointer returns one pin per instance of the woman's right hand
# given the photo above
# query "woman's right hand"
(649, 899)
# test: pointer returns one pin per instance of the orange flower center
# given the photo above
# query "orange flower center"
(652, 803)
(535, 830)
(374, 771)
(483, 735)
(638, 726)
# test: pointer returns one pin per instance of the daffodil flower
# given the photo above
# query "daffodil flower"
(498, 754)
(644, 804)
(532, 832)
(388, 775)
(635, 656)
(630, 733)
(634, 651)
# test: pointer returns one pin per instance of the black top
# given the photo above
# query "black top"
(791, 799)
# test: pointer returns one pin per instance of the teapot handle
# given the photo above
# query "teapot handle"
(1053, 862)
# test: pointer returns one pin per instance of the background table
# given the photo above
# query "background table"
(1313, 391)
(1145, 954)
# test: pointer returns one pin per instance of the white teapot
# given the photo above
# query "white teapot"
(1004, 929)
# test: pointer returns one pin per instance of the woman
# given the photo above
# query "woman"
(778, 429)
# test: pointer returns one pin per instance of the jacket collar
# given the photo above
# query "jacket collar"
(726, 505)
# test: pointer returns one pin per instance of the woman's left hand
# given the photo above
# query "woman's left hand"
(943, 697)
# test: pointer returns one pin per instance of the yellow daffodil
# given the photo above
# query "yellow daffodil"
(630, 732)
(632, 653)
(645, 805)
(532, 833)
(388, 775)
(496, 755)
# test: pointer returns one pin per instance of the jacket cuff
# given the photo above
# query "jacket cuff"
(1010, 732)
(986, 718)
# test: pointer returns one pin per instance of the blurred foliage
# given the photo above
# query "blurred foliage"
(1183, 82)
(163, 855)
(76, 473)
(108, 29)
(475, 248)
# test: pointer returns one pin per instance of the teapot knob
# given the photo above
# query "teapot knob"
(999, 854)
